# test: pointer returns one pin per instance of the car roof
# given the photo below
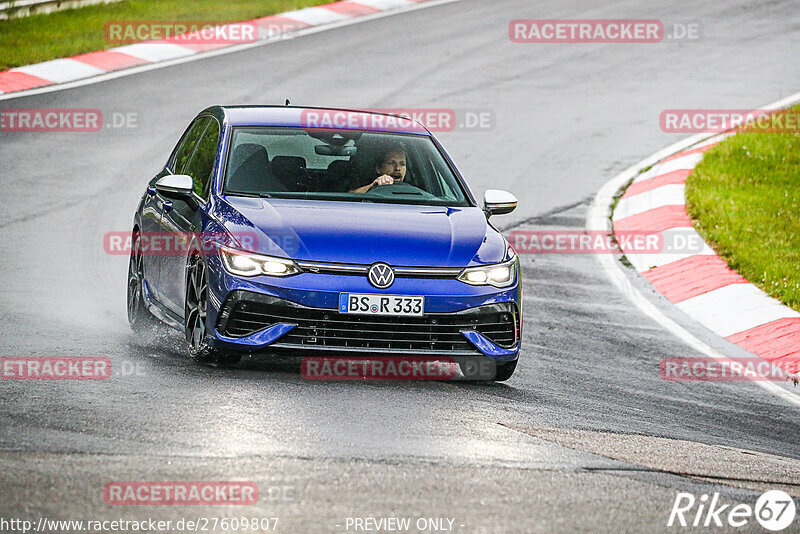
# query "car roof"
(314, 117)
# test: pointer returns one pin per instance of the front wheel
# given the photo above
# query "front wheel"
(195, 313)
(139, 318)
(505, 370)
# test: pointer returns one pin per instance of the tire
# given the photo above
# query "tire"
(195, 313)
(475, 370)
(140, 319)
(505, 370)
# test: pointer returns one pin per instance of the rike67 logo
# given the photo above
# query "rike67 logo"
(774, 510)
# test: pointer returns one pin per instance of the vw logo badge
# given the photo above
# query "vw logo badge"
(381, 275)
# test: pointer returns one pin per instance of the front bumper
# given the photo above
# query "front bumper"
(300, 313)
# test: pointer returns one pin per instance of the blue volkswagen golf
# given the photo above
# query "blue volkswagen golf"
(308, 231)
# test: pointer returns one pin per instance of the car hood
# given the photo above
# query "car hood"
(363, 233)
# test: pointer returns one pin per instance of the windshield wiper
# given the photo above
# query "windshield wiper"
(249, 195)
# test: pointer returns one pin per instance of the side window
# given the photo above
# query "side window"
(201, 165)
(188, 144)
(445, 189)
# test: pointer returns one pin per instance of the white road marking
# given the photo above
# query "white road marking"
(666, 195)
(385, 4)
(735, 308)
(155, 52)
(315, 15)
(673, 237)
(684, 162)
(60, 70)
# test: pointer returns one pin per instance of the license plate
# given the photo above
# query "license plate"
(394, 305)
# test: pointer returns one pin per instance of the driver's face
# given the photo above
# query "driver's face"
(394, 165)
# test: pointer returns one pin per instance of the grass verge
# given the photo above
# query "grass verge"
(76, 31)
(745, 199)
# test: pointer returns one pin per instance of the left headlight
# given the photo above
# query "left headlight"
(243, 263)
(497, 275)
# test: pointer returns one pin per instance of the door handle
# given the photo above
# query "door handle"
(167, 205)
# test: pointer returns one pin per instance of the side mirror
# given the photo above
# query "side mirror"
(178, 187)
(497, 202)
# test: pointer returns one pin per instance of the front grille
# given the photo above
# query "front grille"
(246, 313)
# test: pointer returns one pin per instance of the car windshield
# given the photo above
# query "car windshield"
(275, 162)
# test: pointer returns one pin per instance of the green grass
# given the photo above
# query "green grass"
(745, 199)
(76, 31)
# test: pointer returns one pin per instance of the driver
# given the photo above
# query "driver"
(390, 166)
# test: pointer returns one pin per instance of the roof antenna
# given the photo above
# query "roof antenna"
(287, 102)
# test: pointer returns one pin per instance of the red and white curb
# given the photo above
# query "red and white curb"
(699, 282)
(272, 28)
(773, 330)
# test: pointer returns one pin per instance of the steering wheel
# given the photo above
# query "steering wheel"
(397, 187)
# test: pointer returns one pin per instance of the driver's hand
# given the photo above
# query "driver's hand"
(384, 179)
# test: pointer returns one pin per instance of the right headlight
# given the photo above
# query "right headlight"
(248, 264)
(497, 275)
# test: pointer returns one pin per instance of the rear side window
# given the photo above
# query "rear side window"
(201, 165)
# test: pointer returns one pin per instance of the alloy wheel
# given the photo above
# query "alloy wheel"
(196, 298)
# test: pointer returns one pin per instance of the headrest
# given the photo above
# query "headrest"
(287, 164)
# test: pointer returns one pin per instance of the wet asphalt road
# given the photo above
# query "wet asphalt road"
(494, 457)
